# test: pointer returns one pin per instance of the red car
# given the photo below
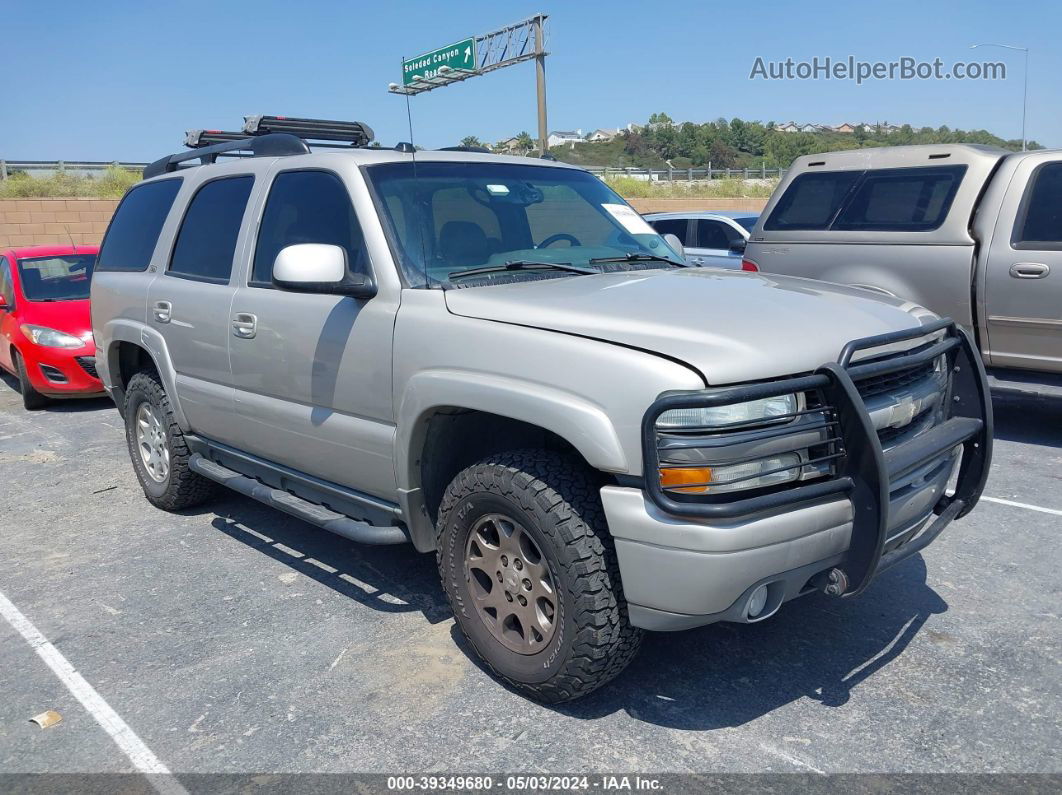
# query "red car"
(45, 329)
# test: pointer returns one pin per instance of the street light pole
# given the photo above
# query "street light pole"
(1025, 88)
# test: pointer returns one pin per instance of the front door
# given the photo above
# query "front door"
(189, 303)
(8, 322)
(313, 371)
(1023, 277)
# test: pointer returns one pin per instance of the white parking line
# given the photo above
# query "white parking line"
(132, 746)
(1025, 505)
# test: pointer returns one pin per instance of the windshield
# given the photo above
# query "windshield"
(456, 217)
(747, 223)
(63, 278)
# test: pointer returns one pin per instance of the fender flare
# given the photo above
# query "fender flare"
(149, 340)
(580, 422)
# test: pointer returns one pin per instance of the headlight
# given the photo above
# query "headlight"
(707, 418)
(696, 457)
(50, 338)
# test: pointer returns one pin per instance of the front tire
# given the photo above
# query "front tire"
(32, 400)
(158, 449)
(530, 571)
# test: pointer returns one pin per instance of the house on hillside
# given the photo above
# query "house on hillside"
(846, 127)
(788, 127)
(559, 137)
(602, 135)
(508, 146)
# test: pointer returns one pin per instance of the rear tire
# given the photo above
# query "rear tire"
(534, 516)
(32, 400)
(158, 449)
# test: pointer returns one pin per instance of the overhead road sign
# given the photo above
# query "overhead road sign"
(456, 57)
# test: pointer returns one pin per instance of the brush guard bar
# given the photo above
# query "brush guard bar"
(862, 471)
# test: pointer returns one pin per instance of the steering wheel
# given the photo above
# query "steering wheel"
(549, 241)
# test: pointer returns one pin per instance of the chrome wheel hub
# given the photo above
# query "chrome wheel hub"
(152, 443)
(510, 583)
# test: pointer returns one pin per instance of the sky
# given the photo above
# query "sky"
(117, 80)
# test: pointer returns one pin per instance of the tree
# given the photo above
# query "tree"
(470, 140)
(525, 142)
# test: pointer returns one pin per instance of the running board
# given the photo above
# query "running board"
(1025, 382)
(362, 532)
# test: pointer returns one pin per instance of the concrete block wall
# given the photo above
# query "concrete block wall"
(29, 222)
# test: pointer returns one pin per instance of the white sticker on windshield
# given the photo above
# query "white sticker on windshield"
(629, 219)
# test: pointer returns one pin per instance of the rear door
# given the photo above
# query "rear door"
(712, 242)
(682, 228)
(1023, 276)
(189, 302)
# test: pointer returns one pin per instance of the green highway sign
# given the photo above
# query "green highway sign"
(457, 56)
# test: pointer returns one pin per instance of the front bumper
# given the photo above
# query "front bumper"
(686, 563)
(62, 372)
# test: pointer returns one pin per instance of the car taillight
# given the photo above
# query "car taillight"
(749, 265)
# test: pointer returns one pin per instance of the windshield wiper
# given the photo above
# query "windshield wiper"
(523, 265)
(635, 257)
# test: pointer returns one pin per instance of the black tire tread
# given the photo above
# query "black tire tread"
(186, 488)
(560, 489)
(32, 400)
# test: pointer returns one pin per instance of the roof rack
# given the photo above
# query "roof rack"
(271, 145)
(354, 133)
(198, 138)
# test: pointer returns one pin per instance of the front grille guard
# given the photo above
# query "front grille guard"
(864, 471)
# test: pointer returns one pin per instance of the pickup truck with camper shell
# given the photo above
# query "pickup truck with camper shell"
(497, 360)
(971, 232)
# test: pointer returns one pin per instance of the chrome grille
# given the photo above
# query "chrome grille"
(905, 403)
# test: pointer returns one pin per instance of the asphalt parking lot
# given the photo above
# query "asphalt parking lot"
(232, 638)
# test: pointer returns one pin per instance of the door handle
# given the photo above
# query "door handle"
(244, 325)
(163, 311)
(1029, 270)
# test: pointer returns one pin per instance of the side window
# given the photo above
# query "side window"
(811, 200)
(901, 199)
(673, 226)
(714, 234)
(206, 241)
(134, 230)
(7, 289)
(306, 207)
(1039, 222)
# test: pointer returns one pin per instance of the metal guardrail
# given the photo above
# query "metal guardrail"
(686, 174)
(9, 167)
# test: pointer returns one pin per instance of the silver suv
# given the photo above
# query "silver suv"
(496, 359)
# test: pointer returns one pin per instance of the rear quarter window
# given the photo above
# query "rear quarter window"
(134, 230)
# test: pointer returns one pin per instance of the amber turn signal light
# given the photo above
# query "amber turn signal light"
(676, 478)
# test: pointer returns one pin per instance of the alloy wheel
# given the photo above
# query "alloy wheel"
(511, 585)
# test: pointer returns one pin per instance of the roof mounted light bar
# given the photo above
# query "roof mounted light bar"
(355, 133)
(270, 145)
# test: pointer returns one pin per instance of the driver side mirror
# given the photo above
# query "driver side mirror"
(676, 244)
(737, 248)
(319, 268)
